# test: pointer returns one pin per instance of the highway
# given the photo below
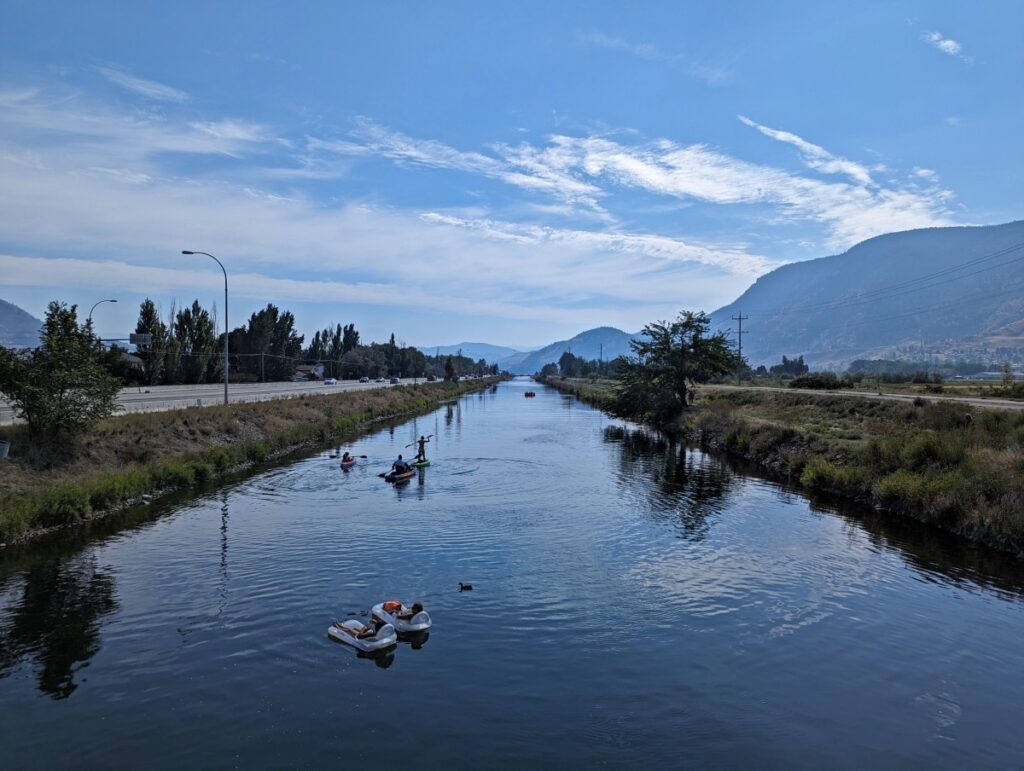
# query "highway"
(157, 398)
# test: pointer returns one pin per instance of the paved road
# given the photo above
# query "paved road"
(157, 398)
(973, 401)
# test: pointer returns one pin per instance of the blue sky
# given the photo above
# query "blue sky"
(505, 172)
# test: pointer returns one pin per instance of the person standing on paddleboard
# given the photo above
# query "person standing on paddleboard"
(421, 454)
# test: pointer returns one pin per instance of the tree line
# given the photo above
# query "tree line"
(186, 350)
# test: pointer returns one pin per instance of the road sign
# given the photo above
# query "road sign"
(141, 339)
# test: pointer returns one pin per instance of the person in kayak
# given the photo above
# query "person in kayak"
(346, 458)
(400, 466)
(421, 454)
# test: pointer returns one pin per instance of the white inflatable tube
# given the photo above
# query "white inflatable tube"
(418, 623)
(385, 637)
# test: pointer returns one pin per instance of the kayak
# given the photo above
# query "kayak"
(385, 637)
(421, 463)
(348, 463)
(396, 477)
(418, 623)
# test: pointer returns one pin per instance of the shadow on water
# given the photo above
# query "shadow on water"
(687, 489)
(691, 488)
(56, 621)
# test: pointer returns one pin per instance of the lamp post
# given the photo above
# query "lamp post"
(94, 308)
(186, 251)
(89, 322)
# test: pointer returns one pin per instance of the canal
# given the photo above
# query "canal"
(633, 604)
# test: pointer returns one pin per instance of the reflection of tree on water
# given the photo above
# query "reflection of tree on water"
(689, 487)
(57, 621)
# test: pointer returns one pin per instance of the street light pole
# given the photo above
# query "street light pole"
(186, 251)
(89, 322)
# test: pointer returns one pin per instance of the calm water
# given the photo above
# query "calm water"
(632, 604)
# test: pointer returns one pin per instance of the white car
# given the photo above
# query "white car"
(331, 381)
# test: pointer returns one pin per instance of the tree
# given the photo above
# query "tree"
(549, 370)
(670, 358)
(567, 365)
(1007, 374)
(197, 345)
(153, 355)
(449, 370)
(268, 345)
(60, 388)
(790, 367)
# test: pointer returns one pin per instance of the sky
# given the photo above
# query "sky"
(512, 173)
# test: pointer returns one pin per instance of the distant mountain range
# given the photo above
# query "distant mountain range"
(475, 351)
(18, 328)
(587, 344)
(937, 289)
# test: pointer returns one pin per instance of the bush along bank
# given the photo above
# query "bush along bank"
(946, 464)
(130, 456)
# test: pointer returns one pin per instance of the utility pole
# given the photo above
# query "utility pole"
(739, 334)
(263, 379)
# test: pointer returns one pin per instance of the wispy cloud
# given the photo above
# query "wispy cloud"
(946, 45)
(818, 158)
(710, 74)
(147, 88)
(588, 169)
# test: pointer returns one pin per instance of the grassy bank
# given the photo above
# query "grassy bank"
(942, 463)
(129, 456)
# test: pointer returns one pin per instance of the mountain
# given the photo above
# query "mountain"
(18, 329)
(475, 351)
(587, 345)
(936, 291)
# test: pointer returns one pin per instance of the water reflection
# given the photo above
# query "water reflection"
(689, 488)
(56, 621)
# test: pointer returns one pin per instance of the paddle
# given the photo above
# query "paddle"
(417, 441)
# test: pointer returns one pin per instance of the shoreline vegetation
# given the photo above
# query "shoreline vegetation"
(947, 464)
(137, 457)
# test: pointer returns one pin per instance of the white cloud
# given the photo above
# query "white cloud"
(818, 158)
(147, 88)
(712, 75)
(946, 45)
(660, 248)
(584, 170)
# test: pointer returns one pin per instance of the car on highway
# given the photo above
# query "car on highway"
(364, 379)
(395, 381)
(331, 381)
(380, 380)
(431, 378)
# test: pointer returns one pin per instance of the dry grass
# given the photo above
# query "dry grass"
(131, 455)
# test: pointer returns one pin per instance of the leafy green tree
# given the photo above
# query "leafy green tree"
(268, 345)
(449, 369)
(61, 388)
(153, 355)
(349, 339)
(197, 344)
(549, 370)
(670, 359)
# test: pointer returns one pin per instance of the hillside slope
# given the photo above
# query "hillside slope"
(18, 328)
(475, 351)
(587, 345)
(937, 289)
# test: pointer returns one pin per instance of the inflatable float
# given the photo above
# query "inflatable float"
(417, 623)
(385, 637)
